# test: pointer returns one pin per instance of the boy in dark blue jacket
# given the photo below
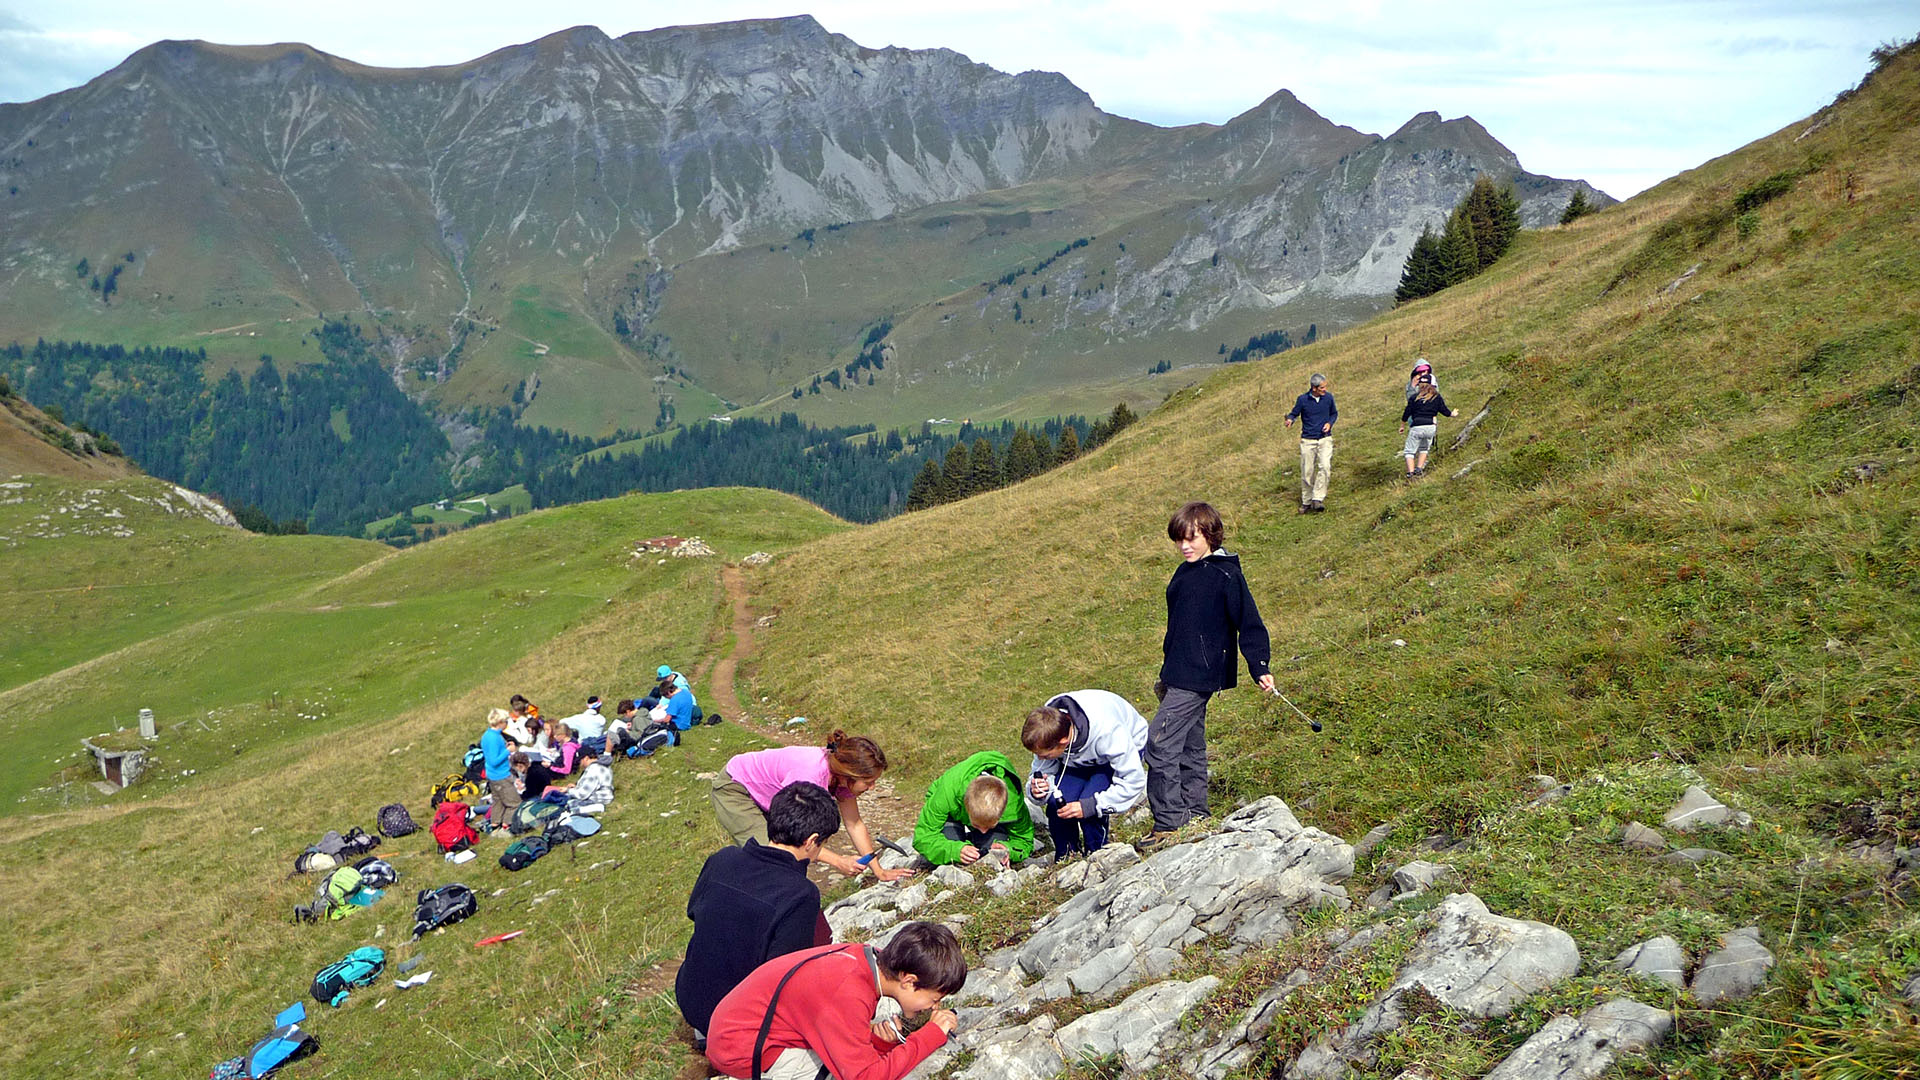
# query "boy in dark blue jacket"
(1208, 607)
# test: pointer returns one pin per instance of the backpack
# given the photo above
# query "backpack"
(523, 852)
(287, 1043)
(376, 873)
(394, 821)
(330, 896)
(358, 968)
(313, 861)
(356, 843)
(450, 829)
(455, 788)
(443, 906)
(474, 764)
(533, 816)
(570, 827)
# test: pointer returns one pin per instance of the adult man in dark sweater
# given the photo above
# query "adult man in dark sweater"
(1317, 415)
(754, 902)
(1208, 607)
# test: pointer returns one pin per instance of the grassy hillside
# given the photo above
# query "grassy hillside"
(381, 677)
(1680, 549)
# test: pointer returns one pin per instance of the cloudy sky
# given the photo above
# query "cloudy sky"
(1620, 92)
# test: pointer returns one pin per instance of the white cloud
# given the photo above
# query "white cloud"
(1629, 89)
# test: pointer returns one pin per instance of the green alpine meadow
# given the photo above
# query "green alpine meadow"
(1670, 541)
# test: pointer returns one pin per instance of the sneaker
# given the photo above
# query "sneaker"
(1306, 508)
(1319, 507)
(1154, 839)
(1422, 471)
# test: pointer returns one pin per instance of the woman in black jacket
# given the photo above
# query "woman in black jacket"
(1417, 420)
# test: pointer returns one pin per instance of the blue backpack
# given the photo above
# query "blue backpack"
(287, 1043)
(358, 968)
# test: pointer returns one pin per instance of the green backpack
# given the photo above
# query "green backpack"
(533, 816)
(330, 896)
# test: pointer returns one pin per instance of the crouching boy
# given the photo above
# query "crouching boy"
(754, 902)
(971, 813)
(808, 1014)
(1086, 765)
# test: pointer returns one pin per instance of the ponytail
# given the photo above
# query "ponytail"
(854, 757)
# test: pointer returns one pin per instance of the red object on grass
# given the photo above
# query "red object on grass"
(498, 938)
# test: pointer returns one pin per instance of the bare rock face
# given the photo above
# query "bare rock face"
(1471, 960)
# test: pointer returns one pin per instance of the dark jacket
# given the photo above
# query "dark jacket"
(750, 904)
(1314, 413)
(1420, 413)
(1208, 606)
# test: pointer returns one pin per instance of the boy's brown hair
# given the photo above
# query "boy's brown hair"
(928, 951)
(1197, 517)
(518, 759)
(986, 800)
(1044, 729)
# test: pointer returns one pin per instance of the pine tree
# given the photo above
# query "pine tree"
(1068, 447)
(1023, 457)
(956, 475)
(1459, 253)
(926, 488)
(1422, 276)
(1577, 207)
(986, 468)
(1120, 418)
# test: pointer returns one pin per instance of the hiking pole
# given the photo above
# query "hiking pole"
(1311, 722)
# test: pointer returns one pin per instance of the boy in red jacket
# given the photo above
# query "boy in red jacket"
(820, 1004)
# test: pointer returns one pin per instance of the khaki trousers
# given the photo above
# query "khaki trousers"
(740, 817)
(1316, 468)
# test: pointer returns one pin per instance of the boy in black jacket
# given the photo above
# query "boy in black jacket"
(753, 902)
(1208, 606)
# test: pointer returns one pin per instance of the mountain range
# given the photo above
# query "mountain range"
(606, 233)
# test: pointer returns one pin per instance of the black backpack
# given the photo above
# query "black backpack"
(443, 906)
(523, 852)
(394, 821)
(356, 843)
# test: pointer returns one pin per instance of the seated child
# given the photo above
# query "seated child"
(1086, 765)
(591, 727)
(755, 902)
(566, 750)
(820, 1019)
(595, 785)
(969, 812)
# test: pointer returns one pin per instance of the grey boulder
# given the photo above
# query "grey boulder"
(1138, 1027)
(1570, 1049)
(1735, 970)
(1658, 958)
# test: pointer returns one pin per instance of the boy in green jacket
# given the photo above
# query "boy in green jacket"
(970, 810)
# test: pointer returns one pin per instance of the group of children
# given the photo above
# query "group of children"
(1317, 414)
(523, 757)
(766, 991)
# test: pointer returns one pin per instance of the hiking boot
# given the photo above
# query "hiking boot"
(1306, 508)
(1155, 839)
(1318, 507)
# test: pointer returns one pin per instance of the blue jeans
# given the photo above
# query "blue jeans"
(1078, 834)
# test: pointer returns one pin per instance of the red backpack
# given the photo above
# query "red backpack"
(450, 828)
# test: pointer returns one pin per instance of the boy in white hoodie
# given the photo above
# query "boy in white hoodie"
(1086, 765)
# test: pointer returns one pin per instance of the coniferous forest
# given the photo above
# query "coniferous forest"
(331, 447)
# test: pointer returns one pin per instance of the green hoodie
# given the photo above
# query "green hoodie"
(947, 801)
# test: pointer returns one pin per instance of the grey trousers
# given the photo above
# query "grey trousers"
(1176, 759)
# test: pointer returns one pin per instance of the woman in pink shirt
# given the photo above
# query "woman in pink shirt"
(847, 767)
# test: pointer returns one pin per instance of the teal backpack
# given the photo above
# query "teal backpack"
(358, 968)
